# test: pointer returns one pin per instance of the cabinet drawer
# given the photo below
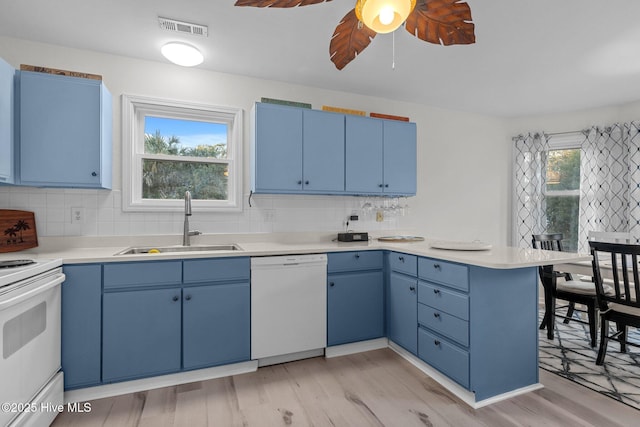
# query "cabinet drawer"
(444, 324)
(444, 356)
(147, 273)
(441, 298)
(447, 273)
(403, 263)
(216, 269)
(350, 261)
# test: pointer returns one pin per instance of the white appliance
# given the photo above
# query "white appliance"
(31, 385)
(288, 305)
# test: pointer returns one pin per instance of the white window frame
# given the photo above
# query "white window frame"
(134, 110)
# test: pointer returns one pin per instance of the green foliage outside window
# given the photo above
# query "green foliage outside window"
(563, 174)
(169, 179)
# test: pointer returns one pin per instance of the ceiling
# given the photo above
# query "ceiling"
(530, 57)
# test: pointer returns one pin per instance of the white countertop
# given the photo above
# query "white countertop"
(87, 250)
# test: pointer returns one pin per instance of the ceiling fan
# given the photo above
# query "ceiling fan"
(444, 22)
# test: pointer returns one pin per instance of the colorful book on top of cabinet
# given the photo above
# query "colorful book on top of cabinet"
(285, 102)
(343, 110)
(47, 70)
(389, 117)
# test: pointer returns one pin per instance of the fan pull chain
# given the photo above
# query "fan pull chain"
(393, 50)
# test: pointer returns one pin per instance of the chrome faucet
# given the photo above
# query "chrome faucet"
(186, 241)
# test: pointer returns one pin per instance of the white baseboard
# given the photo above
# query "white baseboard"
(356, 347)
(462, 393)
(116, 389)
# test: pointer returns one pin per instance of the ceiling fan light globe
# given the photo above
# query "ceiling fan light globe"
(384, 16)
(387, 15)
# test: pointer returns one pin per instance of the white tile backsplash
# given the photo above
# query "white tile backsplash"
(103, 215)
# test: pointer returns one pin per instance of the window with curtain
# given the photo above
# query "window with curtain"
(576, 183)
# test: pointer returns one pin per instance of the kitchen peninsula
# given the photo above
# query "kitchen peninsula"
(466, 318)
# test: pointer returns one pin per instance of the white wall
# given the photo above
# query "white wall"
(463, 159)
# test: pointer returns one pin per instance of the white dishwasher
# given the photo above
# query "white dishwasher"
(288, 307)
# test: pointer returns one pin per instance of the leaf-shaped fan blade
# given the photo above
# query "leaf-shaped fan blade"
(277, 3)
(349, 39)
(444, 22)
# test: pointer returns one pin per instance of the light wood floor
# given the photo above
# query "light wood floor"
(376, 388)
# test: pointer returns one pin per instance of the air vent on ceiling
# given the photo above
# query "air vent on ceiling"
(183, 27)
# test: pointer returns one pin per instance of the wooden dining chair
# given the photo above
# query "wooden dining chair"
(559, 285)
(620, 306)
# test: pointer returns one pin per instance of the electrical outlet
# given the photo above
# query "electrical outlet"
(77, 215)
(379, 216)
(269, 215)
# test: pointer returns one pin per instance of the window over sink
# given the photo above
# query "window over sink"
(170, 147)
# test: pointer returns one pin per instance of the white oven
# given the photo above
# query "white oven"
(31, 385)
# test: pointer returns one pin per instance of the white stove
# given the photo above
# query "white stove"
(30, 325)
(11, 271)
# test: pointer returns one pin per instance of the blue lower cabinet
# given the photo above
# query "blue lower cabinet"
(141, 333)
(216, 325)
(403, 311)
(355, 307)
(81, 324)
(451, 360)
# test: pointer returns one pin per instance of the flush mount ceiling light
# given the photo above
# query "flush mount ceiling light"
(384, 16)
(443, 22)
(182, 54)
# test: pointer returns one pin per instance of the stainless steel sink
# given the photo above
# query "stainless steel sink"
(166, 249)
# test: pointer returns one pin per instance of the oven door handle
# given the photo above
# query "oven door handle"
(22, 296)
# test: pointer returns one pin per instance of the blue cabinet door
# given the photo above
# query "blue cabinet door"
(323, 151)
(81, 325)
(141, 333)
(65, 131)
(355, 307)
(403, 311)
(363, 148)
(278, 148)
(399, 157)
(216, 324)
(7, 74)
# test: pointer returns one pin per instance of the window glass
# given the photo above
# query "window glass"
(563, 195)
(185, 137)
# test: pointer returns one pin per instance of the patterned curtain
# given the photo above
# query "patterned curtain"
(604, 186)
(633, 136)
(530, 164)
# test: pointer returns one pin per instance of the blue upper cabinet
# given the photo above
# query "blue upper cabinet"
(399, 157)
(297, 150)
(277, 155)
(64, 132)
(381, 157)
(364, 155)
(323, 152)
(304, 151)
(7, 73)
